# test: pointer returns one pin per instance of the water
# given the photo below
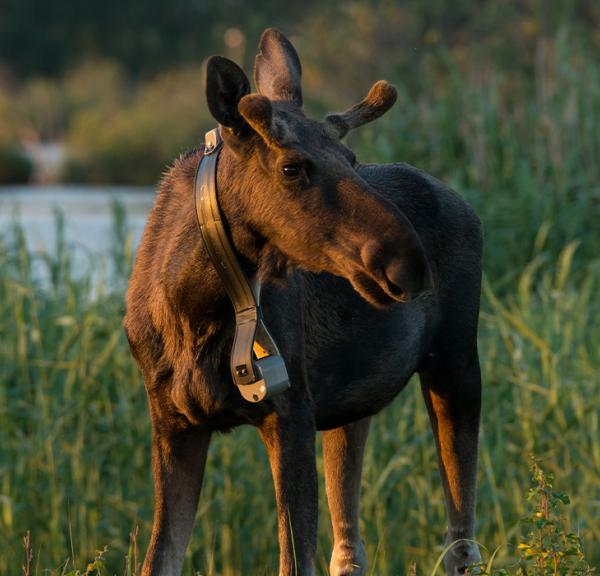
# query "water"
(88, 217)
(88, 212)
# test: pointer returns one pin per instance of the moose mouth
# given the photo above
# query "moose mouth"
(381, 286)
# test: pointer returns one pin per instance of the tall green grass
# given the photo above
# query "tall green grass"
(74, 430)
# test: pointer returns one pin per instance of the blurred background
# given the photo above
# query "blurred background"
(498, 98)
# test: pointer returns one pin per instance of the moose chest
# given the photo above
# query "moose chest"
(356, 358)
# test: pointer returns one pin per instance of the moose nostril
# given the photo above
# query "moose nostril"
(389, 272)
(394, 276)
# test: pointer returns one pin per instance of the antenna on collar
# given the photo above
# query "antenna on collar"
(257, 367)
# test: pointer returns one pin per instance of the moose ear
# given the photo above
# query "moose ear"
(258, 112)
(226, 85)
(277, 69)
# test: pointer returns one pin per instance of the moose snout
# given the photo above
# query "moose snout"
(402, 277)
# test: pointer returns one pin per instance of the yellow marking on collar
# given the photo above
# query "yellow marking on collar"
(259, 351)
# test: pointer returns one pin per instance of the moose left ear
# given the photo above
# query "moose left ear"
(226, 84)
(277, 69)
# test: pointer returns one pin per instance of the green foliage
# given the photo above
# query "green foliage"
(134, 142)
(146, 37)
(74, 428)
(73, 424)
(40, 109)
(15, 167)
(496, 96)
(549, 549)
(14, 164)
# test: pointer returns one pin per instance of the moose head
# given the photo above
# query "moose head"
(297, 189)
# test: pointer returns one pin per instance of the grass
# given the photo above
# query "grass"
(74, 430)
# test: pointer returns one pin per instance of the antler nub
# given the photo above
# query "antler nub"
(379, 100)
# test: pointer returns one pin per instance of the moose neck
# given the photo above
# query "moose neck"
(193, 285)
(233, 192)
(237, 199)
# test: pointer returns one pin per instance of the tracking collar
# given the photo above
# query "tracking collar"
(257, 368)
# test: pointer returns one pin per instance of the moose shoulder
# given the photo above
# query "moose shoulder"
(369, 273)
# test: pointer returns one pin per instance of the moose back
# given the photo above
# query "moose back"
(370, 273)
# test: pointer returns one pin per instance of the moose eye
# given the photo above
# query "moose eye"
(291, 170)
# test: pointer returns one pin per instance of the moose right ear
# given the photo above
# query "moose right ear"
(226, 85)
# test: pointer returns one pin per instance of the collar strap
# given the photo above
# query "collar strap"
(257, 368)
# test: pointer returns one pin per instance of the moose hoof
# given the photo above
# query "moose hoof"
(348, 560)
(460, 557)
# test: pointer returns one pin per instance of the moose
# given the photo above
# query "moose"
(370, 273)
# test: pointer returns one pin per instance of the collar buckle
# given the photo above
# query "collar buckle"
(212, 141)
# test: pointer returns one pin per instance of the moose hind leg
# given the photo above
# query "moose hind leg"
(343, 450)
(178, 461)
(452, 392)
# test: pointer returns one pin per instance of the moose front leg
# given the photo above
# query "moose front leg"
(178, 461)
(452, 393)
(290, 443)
(343, 450)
